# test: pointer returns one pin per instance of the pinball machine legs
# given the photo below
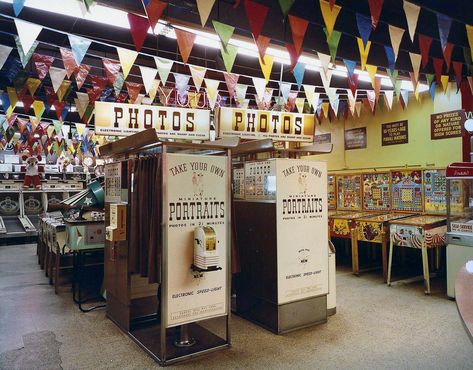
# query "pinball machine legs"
(390, 262)
(425, 264)
(384, 258)
(354, 253)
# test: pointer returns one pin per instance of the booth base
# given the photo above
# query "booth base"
(281, 319)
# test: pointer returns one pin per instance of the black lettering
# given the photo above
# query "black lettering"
(118, 115)
(176, 126)
(190, 121)
(162, 115)
(263, 118)
(148, 113)
(286, 129)
(298, 126)
(250, 117)
(133, 113)
(238, 120)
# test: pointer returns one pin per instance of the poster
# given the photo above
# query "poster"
(355, 138)
(120, 119)
(331, 192)
(435, 193)
(259, 124)
(447, 125)
(323, 138)
(260, 180)
(113, 182)
(376, 191)
(197, 196)
(239, 183)
(302, 229)
(349, 192)
(406, 190)
(394, 133)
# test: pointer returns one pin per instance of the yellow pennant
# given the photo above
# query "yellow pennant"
(12, 96)
(300, 104)
(194, 99)
(372, 72)
(444, 80)
(266, 66)
(38, 108)
(50, 130)
(329, 14)
(204, 7)
(364, 51)
(80, 127)
(153, 89)
(325, 107)
(61, 92)
(212, 91)
(127, 59)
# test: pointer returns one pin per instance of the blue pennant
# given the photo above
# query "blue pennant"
(444, 28)
(364, 27)
(432, 90)
(350, 64)
(391, 58)
(298, 73)
(18, 6)
(79, 47)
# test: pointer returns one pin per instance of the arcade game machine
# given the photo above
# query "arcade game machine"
(460, 220)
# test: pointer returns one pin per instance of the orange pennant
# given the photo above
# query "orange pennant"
(298, 28)
(185, 41)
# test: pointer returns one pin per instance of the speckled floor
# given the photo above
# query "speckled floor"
(375, 327)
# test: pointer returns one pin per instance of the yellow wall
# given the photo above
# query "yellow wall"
(420, 151)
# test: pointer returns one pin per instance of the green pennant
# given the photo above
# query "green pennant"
(66, 95)
(393, 76)
(118, 83)
(88, 4)
(229, 55)
(224, 32)
(397, 87)
(430, 78)
(333, 40)
(286, 5)
(57, 126)
(25, 57)
(88, 113)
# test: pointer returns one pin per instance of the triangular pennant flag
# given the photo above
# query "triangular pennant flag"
(198, 74)
(415, 61)
(51, 96)
(325, 108)
(182, 84)
(375, 10)
(309, 94)
(397, 87)
(351, 101)
(32, 85)
(153, 89)
(228, 55)
(266, 65)
(430, 78)
(470, 82)
(326, 78)
(388, 98)
(424, 46)
(432, 90)
(154, 10)
(353, 83)
(61, 110)
(50, 129)
(324, 62)
(286, 5)
(133, 90)
(240, 90)
(81, 74)
(444, 23)
(333, 98)
(404, 98)
(298, 73)
(127, 59)
(147, 75)
(467, 56)
(212, 91)
(204, 7)
(364, 51)
(332, 41)
(444, 81)
(79, 46)
(80, 127)
(18, 6)
(438, 66)
(371, 69)
(292, 54)
(262, 43)
(27, 101)
(64, 90)
(377, 87)
(260, 86)
(57, 76)
(25, 56)
(447, 54)
(358, 108)
(329, 14)
(457, 68)
(413, 80)
(194, 98)
(4, 53)
(12, 96)
(469, 34)
(164, 66)
(27, 33)
(224, 32)
(412, 14)
(396, 33)
(371, 99)
(285, 88)
(390, 57)
(300, 105)
(185, 42)
(42, 64)
(364, 27)
(69, 62)
(38, 108)
(298, 28)
(256, 14)
(231, 79)
(350, 65)
(139, 27)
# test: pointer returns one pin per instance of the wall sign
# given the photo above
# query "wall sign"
(197, 196)
(447, 125)
(323, 138)
(355, 138)
(118, 119)
(113, 182)
(394, 133)
(259, 124)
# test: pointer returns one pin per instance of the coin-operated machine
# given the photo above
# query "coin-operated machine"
(205, 249)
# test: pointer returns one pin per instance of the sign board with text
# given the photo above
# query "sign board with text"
(120, 119)
(260, 124)
(394, 133)
(447, 125)
(323, 138)
(355, 138)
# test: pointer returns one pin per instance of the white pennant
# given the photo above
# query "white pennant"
(153, 90)
(388, 98)
(324, 61)
(27, 33)
(240, 90)
(358, 108)
(212, 91)
(198, 74)
(300, 104)
(260, 85)
(351, 101)
(333, 99)
(4, 53)
(395, 33)
(315, 100)
(164, 67)
(309, 93)
(57, 76)
(285, 88)
(244, 103)
(127, 58)
(371, 98)
(148, 75)
(415, 60)
(326, 80)
(412, 15)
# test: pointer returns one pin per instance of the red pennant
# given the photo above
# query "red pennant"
(99, 82)
(50, 95)
(353, 83)
(155, 9)
(447, 54)
(112, 68)
(262, 43)
(424, 46)
(94, 94)
(22, 92)
(457, 68)
(21, 123)
(185, 41)
(121, 98)
(42, 64)
(413, 80)
(293, 55)
(231, 79)
(375, 9)
(11, 120)
(27, 101)
(438, 66)
(69, 61)
(139, 29)
(256, 14)
(298, 28)
(59, 107)
(81, 73)
(133, 90)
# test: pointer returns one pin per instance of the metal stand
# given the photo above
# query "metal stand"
(184, 339)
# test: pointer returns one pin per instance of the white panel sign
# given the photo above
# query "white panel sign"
(302, 229)
(197, 196)
(113, 182)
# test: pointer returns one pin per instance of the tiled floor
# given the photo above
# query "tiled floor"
(375, 327)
